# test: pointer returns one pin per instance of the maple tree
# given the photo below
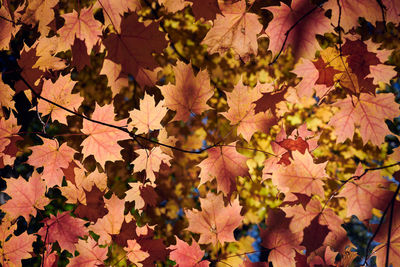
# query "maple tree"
(199, 133)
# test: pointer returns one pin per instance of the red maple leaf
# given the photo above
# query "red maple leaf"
(133, 47)
(64, 229)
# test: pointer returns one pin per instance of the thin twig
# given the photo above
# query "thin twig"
(356, 177)
(338, 27)
(291, 29)
(380, 224)
(123, 129)
(383, 9)
(390, 231)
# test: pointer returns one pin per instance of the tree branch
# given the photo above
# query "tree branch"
(380, 224)
(291, 29)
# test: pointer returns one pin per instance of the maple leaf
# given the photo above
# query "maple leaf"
(189, 94)
(234, 28)
(59, 92)
(76, 187)
(381, 73)
(310, 74)
(149, 115)
(142, 195)
(6, 95)
(15, 248)
(301, 176)
(300, 217)
(369, 113)
(111, 223)
(150, 160)
(26, 197)
(186, 255)
(351, 10)
(8, 137)
(64, 229)
(282, 242)
(40, 11)
(206, 9)
(102, 140)
(80, 58)
(364, 194)
(215, 222)
(324, 256)
(31, 74)
(242, 111)
(116, 79)
(359, 58)
(93, 208)
(46, 48)
(113, 11)
(223, 163)
(53, 157)
(133, 48)
(302, 37)
(134, 253)
(80, 25)
(7, 29)
(315, 75)
(90, 254)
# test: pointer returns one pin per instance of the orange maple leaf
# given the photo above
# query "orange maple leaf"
(301, 176)
(282, 242)
(242, 111)
(186, 255)
(116, 79)
(149, 115)
(53, 158)
(111, 223)
(225, 164)
(364, 194)
(80, 25)
(235, 28)
(15, 248)
(369, 113)
(26, 196)
(113, 11)
(215, 222)
(150, 160)
(189, 94)
(102, 140)
(134, 253)
(90, 254)
(351, 10)
(59, 92)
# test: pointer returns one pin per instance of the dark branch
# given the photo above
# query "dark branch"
(291, 29)
(380, 224)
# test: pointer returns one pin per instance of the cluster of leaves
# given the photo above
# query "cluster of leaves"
(187, 132)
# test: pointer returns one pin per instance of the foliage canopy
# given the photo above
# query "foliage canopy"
(199, 132)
